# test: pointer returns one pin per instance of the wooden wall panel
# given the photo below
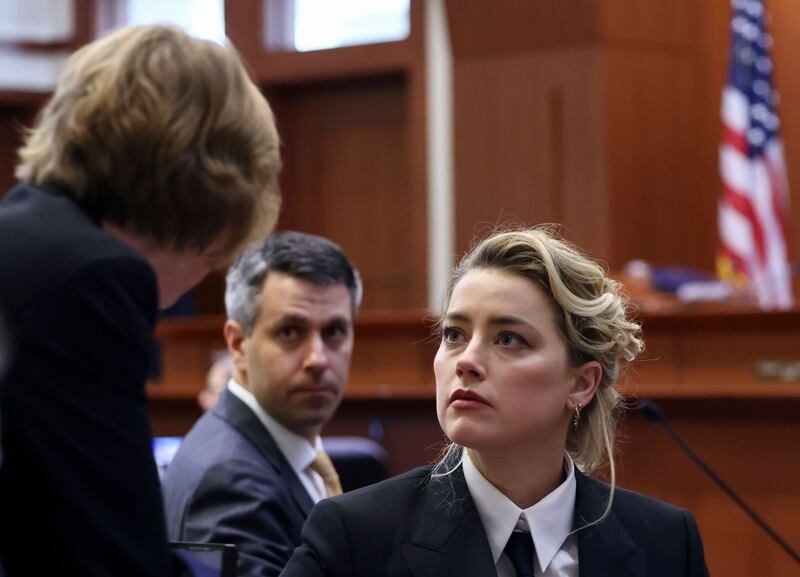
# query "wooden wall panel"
(752, 446)
(723, 359)
(347, 176)
(479, 28)
(660, 212)
(647, 24)
(528, 141)
(658, 84)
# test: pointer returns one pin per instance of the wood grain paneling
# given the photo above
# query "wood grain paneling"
(649, 95)
(481, 28)
(647, 24)
(528, 145)
(749, 444)
(244, 24)
(348, 177)
(659, 211)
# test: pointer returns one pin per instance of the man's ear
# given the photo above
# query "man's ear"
(587, 379)
(236, 339)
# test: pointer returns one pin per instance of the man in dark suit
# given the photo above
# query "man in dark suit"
(251, 469)
(143, 172)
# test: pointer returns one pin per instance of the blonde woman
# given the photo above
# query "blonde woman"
(532, 340)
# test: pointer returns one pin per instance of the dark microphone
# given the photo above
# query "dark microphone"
(653, 414)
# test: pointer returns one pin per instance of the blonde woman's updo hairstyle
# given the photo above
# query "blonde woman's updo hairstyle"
(591, 315)
(162, 134)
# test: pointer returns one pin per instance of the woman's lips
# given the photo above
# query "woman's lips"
(465, 399)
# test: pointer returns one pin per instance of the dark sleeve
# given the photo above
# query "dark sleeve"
(696, 557)
(77, 431)
(238, 502)
(325, 549)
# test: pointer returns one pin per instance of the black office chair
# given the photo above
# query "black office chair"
(358, 460)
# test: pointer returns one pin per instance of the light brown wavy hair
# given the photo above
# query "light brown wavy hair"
(164, 135)
(591, 314)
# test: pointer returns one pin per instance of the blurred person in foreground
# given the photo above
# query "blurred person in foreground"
(154, 162)
(531, 343)
(251, 469)
(5, 354)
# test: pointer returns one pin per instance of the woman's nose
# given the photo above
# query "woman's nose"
(470, 363)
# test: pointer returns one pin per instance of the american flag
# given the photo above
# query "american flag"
(754, 207)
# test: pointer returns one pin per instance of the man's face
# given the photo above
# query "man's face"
(296, 361)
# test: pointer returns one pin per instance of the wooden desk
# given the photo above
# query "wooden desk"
(700, 366)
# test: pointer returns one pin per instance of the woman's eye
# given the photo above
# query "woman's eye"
(511, 340)
(450, 335)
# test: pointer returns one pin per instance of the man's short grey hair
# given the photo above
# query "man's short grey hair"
(308, 257)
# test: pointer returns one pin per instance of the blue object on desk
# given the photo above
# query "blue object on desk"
(670, 279)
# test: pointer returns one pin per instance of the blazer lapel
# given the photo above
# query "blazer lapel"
(449, 539)
(240, 416)
(605, 549)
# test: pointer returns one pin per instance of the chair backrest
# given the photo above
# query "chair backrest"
(206, 559)
(358, 460)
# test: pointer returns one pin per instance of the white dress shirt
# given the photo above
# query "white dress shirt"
(549, 521)
(297, 450)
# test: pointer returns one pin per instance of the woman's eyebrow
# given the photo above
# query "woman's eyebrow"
(509, 320)
(457, 316)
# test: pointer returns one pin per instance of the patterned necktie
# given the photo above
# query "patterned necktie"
(323, 466)
(519, 550)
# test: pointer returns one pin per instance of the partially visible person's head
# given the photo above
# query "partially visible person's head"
(291, 303)
(164, 136)
(219, 374)
(550, 325)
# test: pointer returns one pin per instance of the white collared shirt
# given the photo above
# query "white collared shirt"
(298, 450)
(549, 522)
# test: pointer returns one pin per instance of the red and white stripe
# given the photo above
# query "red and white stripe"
(754, 207)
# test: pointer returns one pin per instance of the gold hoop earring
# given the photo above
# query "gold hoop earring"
(576, 418)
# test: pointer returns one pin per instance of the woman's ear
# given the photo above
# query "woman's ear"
(586, 380)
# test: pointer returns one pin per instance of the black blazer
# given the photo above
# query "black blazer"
(229, 483)
(79, 492)
(413, 525)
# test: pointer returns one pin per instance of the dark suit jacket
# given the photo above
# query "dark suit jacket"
(413, 525)
(79, 492)
(229, 483)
